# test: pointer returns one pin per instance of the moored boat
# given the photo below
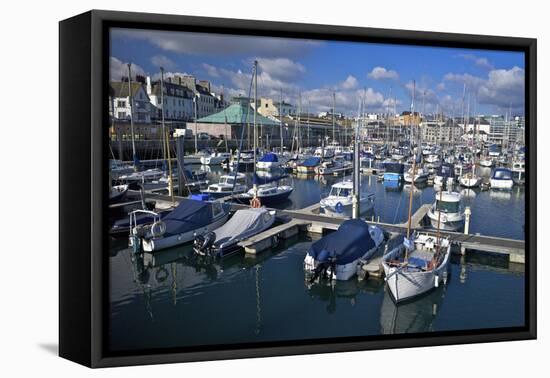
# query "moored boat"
(337, 255)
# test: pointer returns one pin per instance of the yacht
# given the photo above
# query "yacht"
(502, 178)
(339, 202)
(446, 212)
(228, 185)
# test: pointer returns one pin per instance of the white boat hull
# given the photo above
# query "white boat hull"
(406, 285)
(502, 184)
(158, 244)
(470, 182)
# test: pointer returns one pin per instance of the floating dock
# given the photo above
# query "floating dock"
(310, 220)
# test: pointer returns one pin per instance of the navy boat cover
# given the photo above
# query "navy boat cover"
(349, 243)
(446, 170)
(269, 158)
(391, 167)
(502, 174)
(189, 215)
(311, 162)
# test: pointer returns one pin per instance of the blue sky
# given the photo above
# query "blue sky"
(311, 70)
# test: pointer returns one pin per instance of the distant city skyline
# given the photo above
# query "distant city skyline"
(314, 69)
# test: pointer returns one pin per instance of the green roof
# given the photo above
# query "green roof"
(237, 114)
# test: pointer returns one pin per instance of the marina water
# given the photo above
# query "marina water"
(172, 299)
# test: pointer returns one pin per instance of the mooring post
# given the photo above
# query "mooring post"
(467, 213)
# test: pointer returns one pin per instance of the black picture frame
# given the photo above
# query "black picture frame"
(83, 265)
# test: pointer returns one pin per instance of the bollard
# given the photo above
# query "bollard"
(467, 213)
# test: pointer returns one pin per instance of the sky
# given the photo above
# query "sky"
(447, 80)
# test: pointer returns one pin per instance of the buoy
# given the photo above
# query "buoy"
(255, 203)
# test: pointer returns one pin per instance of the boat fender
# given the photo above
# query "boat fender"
(158, 229)
(339, 207)
(255, 203)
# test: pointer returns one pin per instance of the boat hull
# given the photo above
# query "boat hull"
(406, 285)
(153, 245)
(502, 184)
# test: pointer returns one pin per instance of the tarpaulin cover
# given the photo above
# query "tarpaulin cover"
(446, 170)
(394, 167)
(351, 242)
(311, 162)
(243, 224)
(189, 215)
(269, 158)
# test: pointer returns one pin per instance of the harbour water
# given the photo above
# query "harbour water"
(172, 299)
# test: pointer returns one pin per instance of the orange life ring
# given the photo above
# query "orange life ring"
(255, 203)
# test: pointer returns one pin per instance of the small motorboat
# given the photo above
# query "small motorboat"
(470, 180)
(224, 240)
(215, 158)
(420, 175)
(268, 194)
(393, 171)
(502, 178)
(416, 266)
(337, 255)
(268, 161)
(308, 166)
(339, 202)
(118, 192)
(234, 183)
(446, 212)
(189, 219)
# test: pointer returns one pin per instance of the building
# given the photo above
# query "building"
(178, 101)
(204, 101)
(119, 104)
(440, 132)
(229, 123)
(504, 132)
(480, 124)
(269, 108)
(407, 118)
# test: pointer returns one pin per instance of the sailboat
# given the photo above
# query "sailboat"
(471, 179)
(419, 263)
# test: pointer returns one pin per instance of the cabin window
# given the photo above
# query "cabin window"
(448, 207)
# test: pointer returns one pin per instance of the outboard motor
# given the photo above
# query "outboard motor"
(203, 243)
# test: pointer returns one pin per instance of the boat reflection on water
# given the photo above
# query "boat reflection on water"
(468, 193)
(417, 188)
(500, 195)
(330, 290)
(415, 316)
(392, 186)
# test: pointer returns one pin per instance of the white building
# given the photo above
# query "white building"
(120, 102)
(269, 108)
(178, 101)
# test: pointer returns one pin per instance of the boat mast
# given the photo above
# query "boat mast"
(255, 187)
(333, 110)
(356, 174)
(162, 111)
(281, 120)
(413, 173)
(131, 98)
(195, 111)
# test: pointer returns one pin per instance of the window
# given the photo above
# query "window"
(121, 115)
(121, 104)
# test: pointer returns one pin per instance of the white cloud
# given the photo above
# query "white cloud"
(478, 61)
(218, 44)
(502, 88)
(350, 83)
(163, 61)
(380, 73)
(281, 68)
(211, 70)
(119, 69)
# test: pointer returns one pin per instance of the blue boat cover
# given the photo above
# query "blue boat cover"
(189, 215)
(311, 162)
(269, 158)
(446, 170)
(502, 174)
(394, 167)
(349, 243)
